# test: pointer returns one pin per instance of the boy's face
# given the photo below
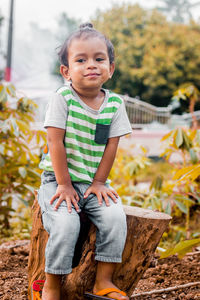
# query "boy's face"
(89, 65)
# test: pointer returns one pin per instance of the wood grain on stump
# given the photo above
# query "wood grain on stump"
(145, 229)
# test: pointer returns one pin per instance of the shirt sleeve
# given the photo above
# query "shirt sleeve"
(120, 124)
(56, 114)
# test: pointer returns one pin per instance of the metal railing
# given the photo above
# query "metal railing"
(188, 118)
(141, 113)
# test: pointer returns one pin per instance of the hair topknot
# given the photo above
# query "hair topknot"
(86, 26)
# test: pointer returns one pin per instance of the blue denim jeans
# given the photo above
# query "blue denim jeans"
(63, 227)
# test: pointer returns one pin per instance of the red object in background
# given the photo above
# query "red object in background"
(7, 75)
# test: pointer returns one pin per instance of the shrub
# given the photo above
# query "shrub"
(19, 153)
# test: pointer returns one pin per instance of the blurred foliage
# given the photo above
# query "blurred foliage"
(188, 92)
(19, 155)
(179, 11)
(153, 56)
(66, 26)
(186, 192)
(173, 191)
(181, 248)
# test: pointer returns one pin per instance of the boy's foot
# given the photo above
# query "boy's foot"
(104, 285)
(50, 294)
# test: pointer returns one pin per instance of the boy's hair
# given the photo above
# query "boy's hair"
(85, 31)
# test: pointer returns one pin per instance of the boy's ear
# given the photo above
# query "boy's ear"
(112, 69)
(64, 70)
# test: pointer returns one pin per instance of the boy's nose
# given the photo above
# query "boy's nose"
(91, 64)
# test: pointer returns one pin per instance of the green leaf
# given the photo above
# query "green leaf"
(15, 127)
(168, 208)
(136, 202)
(181, 206)
(193, 156)
(182, 198)
(25, 202)
(191, 172)
(5, 196)
(34, 172)
(167, 136)
(186, 141)
(179, 138)
(2, 161)
(157, 183)
(181, 248)
(30, 188)
(198, 136)
(22, 171)
(3, 95)
(2, 149)
(11, 90)
(178, 236)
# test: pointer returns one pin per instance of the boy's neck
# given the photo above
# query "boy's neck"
(93, 98)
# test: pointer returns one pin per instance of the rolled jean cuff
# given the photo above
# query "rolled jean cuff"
(108, 259)
(58, 272)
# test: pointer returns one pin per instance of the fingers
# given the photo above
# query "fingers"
(87, 193)
(100, 199)
(69, 205)
(69, 201)
(60, 200)
(103, 194)
(106, 199)
(113, 195)
(76, 205)
(77, 197)
(54, 198)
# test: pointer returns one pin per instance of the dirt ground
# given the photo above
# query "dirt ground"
(161, 274)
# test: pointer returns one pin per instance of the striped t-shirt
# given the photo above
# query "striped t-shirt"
(86, 132)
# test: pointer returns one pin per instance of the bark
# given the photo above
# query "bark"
(145, 229)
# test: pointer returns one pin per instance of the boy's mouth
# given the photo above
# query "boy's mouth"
(92, 75)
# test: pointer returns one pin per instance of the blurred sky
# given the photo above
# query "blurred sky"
(45, 12)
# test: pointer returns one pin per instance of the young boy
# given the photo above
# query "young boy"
(84, 123)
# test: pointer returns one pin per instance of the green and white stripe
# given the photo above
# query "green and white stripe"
(83, 153)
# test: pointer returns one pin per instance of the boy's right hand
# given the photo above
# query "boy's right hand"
(66, 193)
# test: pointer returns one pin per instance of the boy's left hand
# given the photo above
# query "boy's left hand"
(102, 192)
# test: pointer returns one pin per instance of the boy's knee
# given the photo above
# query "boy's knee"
(115, 220)
(65, 226)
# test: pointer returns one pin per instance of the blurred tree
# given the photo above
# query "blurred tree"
(66, 25)
(153, 56)
(179, 11)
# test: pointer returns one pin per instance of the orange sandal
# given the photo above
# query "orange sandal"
(36, 289)
(102, 294)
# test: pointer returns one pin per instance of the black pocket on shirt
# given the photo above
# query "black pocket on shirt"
(102, 133)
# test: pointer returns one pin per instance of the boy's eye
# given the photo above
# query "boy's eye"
(99, 59)
(80, 60)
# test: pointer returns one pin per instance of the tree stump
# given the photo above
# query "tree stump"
(145, 229)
